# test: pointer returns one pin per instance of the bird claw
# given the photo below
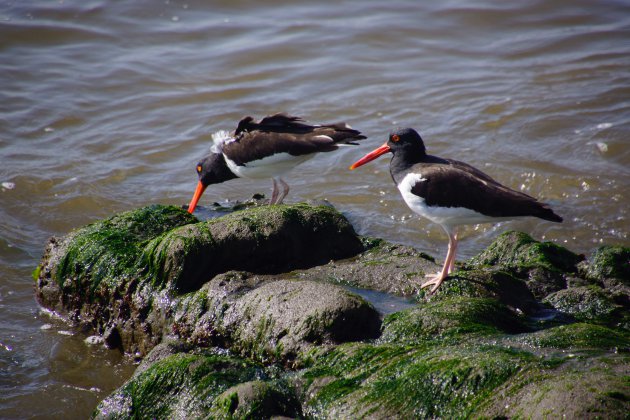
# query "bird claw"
(435, 282)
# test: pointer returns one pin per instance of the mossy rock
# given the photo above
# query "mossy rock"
(182, 385)
(270, 239)
(454, 319)
(383, 266)
(394, 381)
(609, 262)
(517, 251)
(108, 251)
(576, 336)
(579, 388)
(256, 400)
(586, 303)
(487, 283)
(275, 321)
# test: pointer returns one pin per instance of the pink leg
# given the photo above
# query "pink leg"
(447, 267)
(451, 267)
(274, 192)
(285, 190)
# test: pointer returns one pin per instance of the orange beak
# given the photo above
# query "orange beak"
(371, 156)
(198, 192)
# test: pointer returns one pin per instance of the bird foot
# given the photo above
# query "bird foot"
(436, 281)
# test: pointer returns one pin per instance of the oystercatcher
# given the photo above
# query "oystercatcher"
(450, 193)
(267, 149)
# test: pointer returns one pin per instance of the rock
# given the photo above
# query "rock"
(94, 275)
(585, 303)
(578, 389)
(518, 252)
(131, 269)
(385, 267)
(488, 283)
(276, 321)
(399, 381)
(179, 386)
(245, 317)
(256, 399)
(166, 348)
(577, 336)
(112, 338)
(449, 319)
(270, 239)
(609, 262)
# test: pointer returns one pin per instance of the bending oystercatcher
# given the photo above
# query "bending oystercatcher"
(450, 193)
(267, 149)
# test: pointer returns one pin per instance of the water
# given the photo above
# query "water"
(107, 106)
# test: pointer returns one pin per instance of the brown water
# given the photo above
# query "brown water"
(106, 107)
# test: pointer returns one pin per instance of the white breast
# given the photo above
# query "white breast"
(268, 167)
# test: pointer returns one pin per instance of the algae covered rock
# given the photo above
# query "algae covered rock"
(451, 319)
(282, 318)
(586, 303)
(247, 317)
(578, 336)
(519, 252)
(383, 266)
(188, 385)
(256, 399)
(399, 381)
(579, 388)
(274, 321)
(124, 275)
(492, 283)
(94, 262)
(609, 262)
(270, 239)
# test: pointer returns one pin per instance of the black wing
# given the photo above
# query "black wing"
(281, 133)
(456, 185)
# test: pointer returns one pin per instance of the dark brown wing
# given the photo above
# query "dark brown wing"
(455, 185)
(281, 133)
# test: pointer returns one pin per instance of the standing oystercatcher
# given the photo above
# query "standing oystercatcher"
(450, 193)
(268, 149)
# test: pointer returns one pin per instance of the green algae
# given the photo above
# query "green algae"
(609, 262)
(260, 239)
(109, 250)
(519, 251)
(363, 380)
(580, 387)
(454, 318)
(256, 400)
(181, 385)
(577, 336)
(203, 384)
(586, 303)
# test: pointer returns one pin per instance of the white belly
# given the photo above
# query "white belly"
(447, 217)
(269, 167)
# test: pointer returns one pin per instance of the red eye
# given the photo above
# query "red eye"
(395, 138)
(198, 168)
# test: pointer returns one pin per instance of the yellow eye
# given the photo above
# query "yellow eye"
(198, 168)
(395, 138)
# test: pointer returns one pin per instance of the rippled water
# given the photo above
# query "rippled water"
(106, 106)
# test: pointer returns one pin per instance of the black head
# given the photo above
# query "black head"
(406, 139)
(212, 169)
(404, 143)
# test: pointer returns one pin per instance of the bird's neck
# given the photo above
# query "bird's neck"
(403, 158)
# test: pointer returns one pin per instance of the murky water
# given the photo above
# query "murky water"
(106, 106)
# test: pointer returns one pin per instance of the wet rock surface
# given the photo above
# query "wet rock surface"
(249, 316)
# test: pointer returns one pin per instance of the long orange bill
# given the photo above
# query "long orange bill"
(193, 203)
(371, 156)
